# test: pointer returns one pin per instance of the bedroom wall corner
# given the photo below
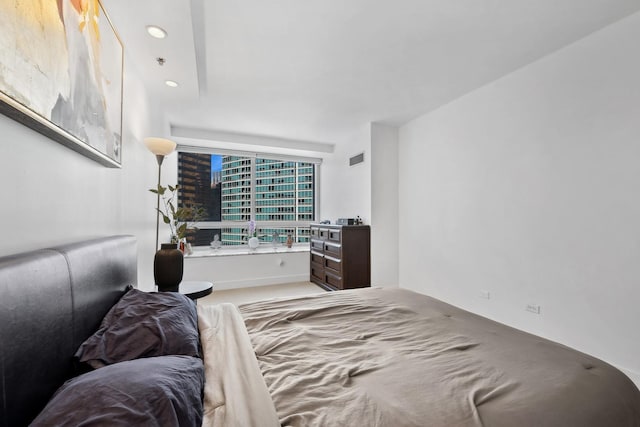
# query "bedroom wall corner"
(368, 190)
(527, 189)
(345, 191)
(384, 205)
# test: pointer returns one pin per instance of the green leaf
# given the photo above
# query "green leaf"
(165, 218)
(153, 191)
(181, 230)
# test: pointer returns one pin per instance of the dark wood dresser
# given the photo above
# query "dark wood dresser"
(340, 256)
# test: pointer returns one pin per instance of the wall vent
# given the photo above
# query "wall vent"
(358, 158)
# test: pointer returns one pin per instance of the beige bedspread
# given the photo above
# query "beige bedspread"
(391, 357)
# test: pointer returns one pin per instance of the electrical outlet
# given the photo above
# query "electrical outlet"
(484, 294)
(533, 308)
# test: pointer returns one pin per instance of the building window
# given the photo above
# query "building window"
(233, 189)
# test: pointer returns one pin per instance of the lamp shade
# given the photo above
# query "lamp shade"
(160, 146)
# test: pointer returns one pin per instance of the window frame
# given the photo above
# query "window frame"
(315, 162)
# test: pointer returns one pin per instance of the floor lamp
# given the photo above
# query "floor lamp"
(161, 147)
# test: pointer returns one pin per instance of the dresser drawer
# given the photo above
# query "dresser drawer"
(317, 258)
(318, 282)
(317, 245)
(333, 235)
(333, 264)
(323, 233)
(333, 250)
(317, 272)
(315, 233)
(334, 280)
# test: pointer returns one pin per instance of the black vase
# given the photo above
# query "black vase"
(168, 265)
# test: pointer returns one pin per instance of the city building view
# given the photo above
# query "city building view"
(232, 190)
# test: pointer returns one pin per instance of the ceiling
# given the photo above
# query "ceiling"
(315, 71)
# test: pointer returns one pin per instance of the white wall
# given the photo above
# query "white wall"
(53, 195)
(241, 271)
(529, 188)
(384, 205)
(345, 191)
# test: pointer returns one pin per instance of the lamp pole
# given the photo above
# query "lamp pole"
(160, 158)
(161, 147)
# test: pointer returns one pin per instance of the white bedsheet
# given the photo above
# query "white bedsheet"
(235, 393)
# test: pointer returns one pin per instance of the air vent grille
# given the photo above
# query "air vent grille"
(358, 158)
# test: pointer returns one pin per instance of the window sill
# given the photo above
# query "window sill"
(263, 249)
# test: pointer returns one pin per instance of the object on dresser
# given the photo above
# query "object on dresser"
(340, 256)
(346, 221)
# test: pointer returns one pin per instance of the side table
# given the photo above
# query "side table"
(195, 289)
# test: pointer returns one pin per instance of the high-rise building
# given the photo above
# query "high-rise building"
(194, 171)
(230, 188)
(236, 196)
(196, 191)
(283, 192)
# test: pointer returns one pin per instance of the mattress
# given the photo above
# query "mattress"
(392, 357)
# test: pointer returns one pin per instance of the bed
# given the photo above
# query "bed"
(392, 357)
(368, 357)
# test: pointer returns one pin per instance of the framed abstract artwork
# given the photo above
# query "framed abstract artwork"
(61, 72)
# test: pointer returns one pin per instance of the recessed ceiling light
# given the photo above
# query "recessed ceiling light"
(171, 83)
(157, 32)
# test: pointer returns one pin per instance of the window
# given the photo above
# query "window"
(279, 194)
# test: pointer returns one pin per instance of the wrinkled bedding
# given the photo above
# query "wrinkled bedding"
(235, 393)
(391, 357)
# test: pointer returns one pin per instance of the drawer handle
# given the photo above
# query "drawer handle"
(332, 259)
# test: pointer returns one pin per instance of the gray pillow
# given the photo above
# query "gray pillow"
(143, 324)
(156, 391)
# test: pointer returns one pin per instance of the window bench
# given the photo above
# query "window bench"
(265, 248)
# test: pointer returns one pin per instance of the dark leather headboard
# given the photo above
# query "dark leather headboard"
(51, 300)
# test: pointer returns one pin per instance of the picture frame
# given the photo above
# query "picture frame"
(62, 75)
